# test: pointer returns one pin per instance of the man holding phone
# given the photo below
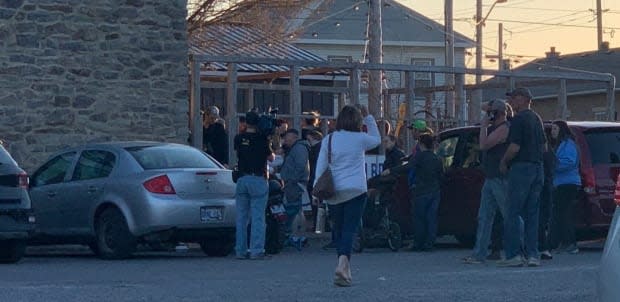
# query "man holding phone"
(494, 143)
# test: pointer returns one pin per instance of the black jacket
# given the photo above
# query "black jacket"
(393, 158)
(215, 142)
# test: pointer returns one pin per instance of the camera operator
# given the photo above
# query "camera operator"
(253, 151)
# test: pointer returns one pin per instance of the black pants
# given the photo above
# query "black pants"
(544, 220)
(563, 221)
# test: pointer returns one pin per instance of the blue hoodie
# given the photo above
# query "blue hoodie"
(567, 164)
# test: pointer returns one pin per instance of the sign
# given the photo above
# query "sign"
(374, 165)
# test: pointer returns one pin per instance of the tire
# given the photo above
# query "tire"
(466, 240)
(114, 240)
(217, 247)
(11, 251)
(394, 237)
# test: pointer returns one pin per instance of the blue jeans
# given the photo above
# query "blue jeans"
(292, 210)
(347, 217)
(425, 209)
(251, 197)
(525, 182)
(493, 197)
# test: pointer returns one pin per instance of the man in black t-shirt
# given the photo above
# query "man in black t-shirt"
(253, 150)
(523, 161)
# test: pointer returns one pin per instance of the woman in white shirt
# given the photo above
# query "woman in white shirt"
(348, 167)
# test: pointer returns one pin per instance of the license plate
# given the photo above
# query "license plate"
(211, 214)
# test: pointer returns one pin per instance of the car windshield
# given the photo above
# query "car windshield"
(5, 157)
(604, 145)
(170, 157)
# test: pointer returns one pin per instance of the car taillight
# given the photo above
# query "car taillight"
(589, 180)
(617, 193)
(159, 185)
(23, 180)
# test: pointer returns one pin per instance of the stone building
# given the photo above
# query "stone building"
(74, 71)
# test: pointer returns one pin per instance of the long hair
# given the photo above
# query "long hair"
(564, 133)
(349, 119)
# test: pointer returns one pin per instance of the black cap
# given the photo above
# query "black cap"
(294, 131)
(251, 118)
(521, 91)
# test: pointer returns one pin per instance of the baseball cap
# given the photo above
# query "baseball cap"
(521, 91)
(496, 105)
(418, 125)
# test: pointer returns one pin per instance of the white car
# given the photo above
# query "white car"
(609, 277)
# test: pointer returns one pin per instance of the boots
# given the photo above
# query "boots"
(342, 276)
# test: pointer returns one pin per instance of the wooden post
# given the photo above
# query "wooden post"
(562, 101)
(295, 96)
(250, 99)
(195, 104)
(231, 109)
(449, 46)
(611, 100)
(410, 101)
(355, 86)
(460, 98)
(375, 56)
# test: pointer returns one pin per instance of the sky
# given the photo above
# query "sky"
(525, 38)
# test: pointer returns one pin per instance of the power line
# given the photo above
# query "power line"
(549, 24)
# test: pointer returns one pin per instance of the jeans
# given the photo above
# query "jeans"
(425, 209)
(347, 217)
(544, 223)
(252, 193)
(292, 211)
(525, 182)
(563, 222)
(494, 196)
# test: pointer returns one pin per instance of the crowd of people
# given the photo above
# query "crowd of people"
(530, 220)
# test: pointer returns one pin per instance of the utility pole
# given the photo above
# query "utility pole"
(477, 96)
(500, 47)
(375, 56)
(599, 24)
(449, 43)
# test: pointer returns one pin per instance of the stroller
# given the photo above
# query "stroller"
(378, 229)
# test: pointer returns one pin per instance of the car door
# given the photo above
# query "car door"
(463, 182)
(86, 187)
(47, 183)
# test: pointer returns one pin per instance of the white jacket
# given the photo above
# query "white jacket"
(348, 164)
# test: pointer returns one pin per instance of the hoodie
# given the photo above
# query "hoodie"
(567, 164)
(296, 170)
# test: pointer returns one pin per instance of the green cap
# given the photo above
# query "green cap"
(418, 125)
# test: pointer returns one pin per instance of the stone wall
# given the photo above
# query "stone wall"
(74, 71)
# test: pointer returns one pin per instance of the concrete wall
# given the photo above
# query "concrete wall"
(581, 108)
(75, 71)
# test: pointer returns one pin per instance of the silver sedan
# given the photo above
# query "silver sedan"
(113, 196)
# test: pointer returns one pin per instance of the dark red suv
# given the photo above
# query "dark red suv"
(599, 145)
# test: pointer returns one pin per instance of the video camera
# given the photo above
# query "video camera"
(267, 122)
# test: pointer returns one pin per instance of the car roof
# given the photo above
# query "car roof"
(579, 124)
(115, 145)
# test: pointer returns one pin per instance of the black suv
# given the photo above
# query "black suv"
(16, 218)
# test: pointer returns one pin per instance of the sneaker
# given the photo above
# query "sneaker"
(533, 262)
(546, 255)
(260, 257)
(515, 261)
(495, 255)
(471, 260)
(573, 249)
(243, 257)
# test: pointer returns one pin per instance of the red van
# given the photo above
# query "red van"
(599, 145)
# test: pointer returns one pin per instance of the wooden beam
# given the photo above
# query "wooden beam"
(410, 102)
(195, 104)
(354, 85)
(231, 112)
(611, 100)
(209, 84)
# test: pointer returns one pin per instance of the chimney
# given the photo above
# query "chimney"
(552, 54)
(604, 46)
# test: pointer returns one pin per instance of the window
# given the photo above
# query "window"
(472, 154)
(94, 164)
(53, 171)
(604, 145)
(423, 79)
(600, 116)
(446, 150)
(170, 157)
(5, 157)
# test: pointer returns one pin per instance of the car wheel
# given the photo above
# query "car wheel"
(466, 240)
(217, 247)
(11, 251)
(114, 240)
